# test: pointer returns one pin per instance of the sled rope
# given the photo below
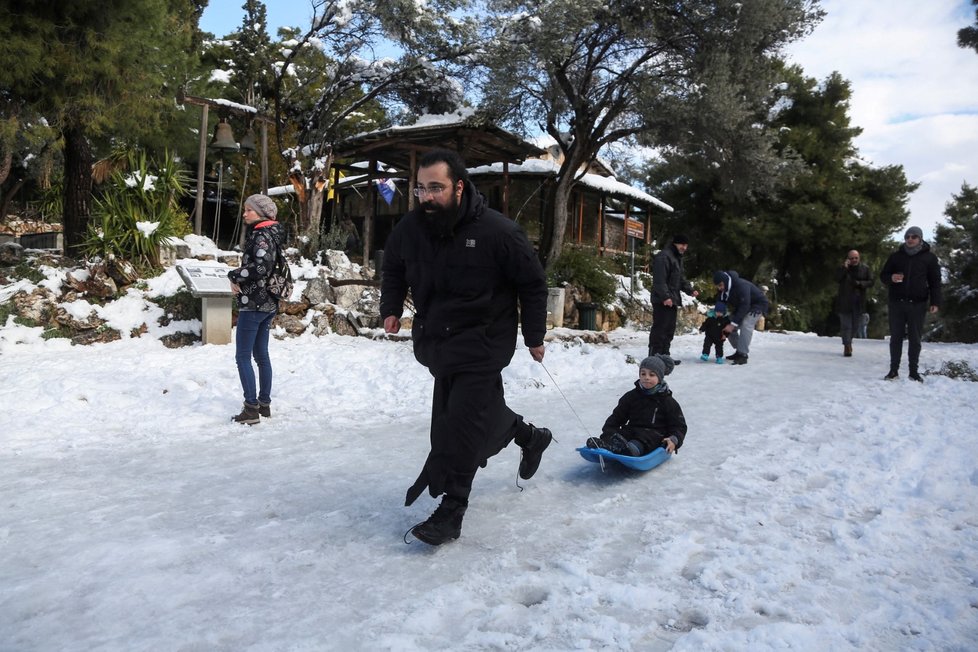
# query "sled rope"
(581, 421)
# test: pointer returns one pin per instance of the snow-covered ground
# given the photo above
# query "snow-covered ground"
(813, 507)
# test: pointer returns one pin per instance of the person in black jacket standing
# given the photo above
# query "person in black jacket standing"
(474, 277)
(668, 281)
(913, 275)
(854, 278)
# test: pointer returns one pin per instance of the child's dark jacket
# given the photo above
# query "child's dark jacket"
(648, 418)
(712, 327)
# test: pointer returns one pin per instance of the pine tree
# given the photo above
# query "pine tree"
(95, 70)
(957, 247)
(252, 56)
(788, 230)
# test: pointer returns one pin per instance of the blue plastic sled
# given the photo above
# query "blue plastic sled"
(643, 463)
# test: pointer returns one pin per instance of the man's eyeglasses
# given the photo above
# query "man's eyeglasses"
(912, 237)
(853, 257)
(433, 189)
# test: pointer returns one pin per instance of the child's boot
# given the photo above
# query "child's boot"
(705, 357)
(719, 359)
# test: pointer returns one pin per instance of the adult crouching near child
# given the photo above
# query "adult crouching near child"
(746, 304)
(256, 305)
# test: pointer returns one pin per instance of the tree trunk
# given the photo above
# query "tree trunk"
(314, 217)
(78, 189)
(561, 195)
(311, 212)
(6, 199)
(5, 165)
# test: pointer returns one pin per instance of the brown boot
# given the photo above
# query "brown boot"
(848, 351)
(249, 415)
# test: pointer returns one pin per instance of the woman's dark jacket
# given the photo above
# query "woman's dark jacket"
(853, 283)
(261, 249)
(647, 417)
(465, 285)
(921, 276)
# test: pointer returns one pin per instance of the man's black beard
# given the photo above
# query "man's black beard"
(441, 221)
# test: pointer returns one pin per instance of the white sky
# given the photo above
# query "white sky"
(814, 506)
(915, 92)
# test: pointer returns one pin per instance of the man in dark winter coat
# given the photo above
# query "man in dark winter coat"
(473, 277)
(668, 281)
(913, 275)
(854, 278)
(746, 304)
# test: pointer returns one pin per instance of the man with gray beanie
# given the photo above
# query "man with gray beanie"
(913, 275)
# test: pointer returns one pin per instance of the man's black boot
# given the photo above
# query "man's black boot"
(444, 524)
(533, 449)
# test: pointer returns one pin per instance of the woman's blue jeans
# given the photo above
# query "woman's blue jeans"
(251, 340)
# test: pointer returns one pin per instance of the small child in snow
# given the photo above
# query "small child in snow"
(646, 417)
(712, 329)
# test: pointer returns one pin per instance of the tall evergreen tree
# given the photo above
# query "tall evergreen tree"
(94, 69)
(790, 233)
(957, 246)
(838, 202)
(253, 56)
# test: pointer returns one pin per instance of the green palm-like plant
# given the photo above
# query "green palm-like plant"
(138, 212)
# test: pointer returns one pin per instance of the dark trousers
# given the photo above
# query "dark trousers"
(906, 317)
(715, 341)
(663, 328)
(470, 422)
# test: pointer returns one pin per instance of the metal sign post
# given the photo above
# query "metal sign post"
(634, 229)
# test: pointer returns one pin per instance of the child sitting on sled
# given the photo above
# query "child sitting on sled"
(712, 329)
(646, 417)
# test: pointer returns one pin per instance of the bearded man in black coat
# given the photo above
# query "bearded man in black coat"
(473, 276)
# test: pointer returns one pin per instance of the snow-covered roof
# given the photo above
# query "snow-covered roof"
(609, 185)
(480, 142)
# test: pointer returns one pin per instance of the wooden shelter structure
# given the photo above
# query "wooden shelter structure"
(604, 212)
(393, 153)
(512, 173)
